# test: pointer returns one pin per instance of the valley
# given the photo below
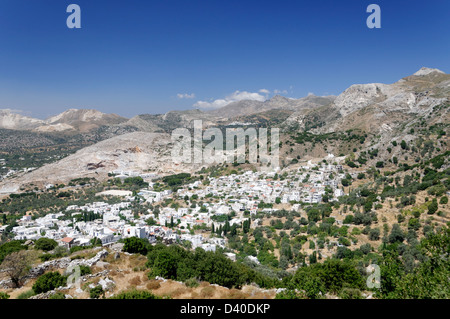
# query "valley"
(364, 179)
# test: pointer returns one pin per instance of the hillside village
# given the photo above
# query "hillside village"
(238, 194)
(364, 179)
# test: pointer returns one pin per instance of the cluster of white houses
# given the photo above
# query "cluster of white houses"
(245, 191)
(116, 222)
(234, 193)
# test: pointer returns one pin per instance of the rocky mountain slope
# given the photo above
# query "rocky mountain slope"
(171, 120)
(80, 121)
(72, 120)
(137, 151)
(11, 120)
(379, 107)
(363, 117)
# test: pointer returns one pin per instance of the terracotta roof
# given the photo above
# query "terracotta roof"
(67, 239)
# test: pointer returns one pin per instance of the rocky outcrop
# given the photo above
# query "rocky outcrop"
(413, 94)
(426, 71)
(64, 263)
(105, 283)
(9, 119)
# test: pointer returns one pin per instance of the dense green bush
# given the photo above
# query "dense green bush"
(85, 270)
(175, 262)
(135, 294)
(46, 257)
(49, 281)
(290, 294)
(192, 283)
(45, 244)
(96, 292)
(396, 235)
(350, 293)
(26, 294)
(428, 280)
(330, 276)
(432, 207)
(4, 295)
(58, 295)
(136, 245)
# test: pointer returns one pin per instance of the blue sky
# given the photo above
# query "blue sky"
(133, 57)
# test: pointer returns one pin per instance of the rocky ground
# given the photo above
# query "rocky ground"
(117, 271)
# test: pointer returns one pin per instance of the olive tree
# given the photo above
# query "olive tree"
(17, 265)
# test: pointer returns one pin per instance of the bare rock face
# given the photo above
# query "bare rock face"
(426, 71)
(80, 120)
(412, 94)
(14, 121)
(64, 263)
(359, 96)
(137, 151)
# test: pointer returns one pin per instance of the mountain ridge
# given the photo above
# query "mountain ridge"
(398, 95)
(376, 113)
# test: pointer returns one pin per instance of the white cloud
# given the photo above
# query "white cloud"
(280, 91)
(264, 91)
(185, 96)
(233, 97)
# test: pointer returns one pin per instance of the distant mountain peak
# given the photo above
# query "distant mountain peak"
(83, 115)
(278, 98)
(426, 71)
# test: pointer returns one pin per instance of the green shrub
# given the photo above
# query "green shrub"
(4, 295)
(433, 207)
(78, 248)
(192, 283)
(331, 276)
(379, 164)
(348, 219)
(58, 295)
(344, 241)
(49, 281)
(85, 270)
(27, 294)
(136, 245)
(290, 294)
(350, 293)
(175, 262)
(96, 292)
(45, 257)
(45, 244)
(374, 234)
(366, 248)
(135, 294)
